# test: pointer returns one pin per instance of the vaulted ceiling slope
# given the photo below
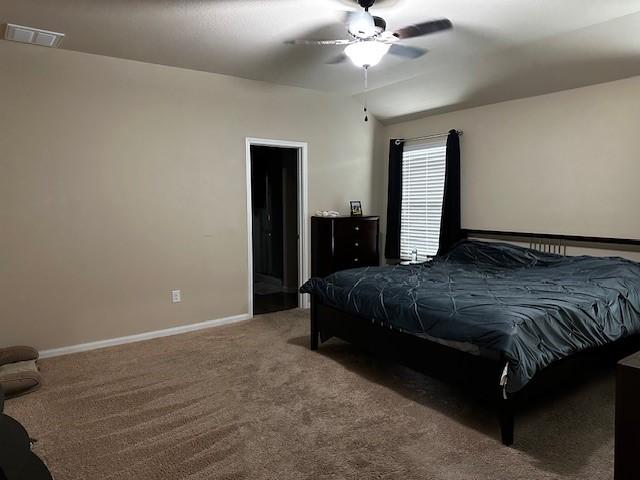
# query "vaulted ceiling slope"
(498, 50)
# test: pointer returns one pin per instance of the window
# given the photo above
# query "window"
(423, 169)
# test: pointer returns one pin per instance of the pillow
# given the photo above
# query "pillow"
(19, 378)
(17, 354)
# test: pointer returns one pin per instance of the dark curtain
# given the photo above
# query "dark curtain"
(450, 227)
(394, 200)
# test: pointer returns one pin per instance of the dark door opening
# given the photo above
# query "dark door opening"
(274, 210)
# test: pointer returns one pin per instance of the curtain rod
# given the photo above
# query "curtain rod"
(427, 137)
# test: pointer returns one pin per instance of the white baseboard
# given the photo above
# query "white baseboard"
(83, 347)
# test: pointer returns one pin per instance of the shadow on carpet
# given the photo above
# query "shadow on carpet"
(561, 432)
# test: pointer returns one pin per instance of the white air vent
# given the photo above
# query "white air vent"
(18, 33)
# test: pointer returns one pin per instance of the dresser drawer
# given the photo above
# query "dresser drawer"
(356, 230)
(356, 243)
(356, 249)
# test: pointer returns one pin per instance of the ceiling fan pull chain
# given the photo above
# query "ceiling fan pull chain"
(366, 86)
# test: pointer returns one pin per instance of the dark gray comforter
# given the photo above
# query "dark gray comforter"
(532, 308)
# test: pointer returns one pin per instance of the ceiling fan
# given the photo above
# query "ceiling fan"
(369, 39)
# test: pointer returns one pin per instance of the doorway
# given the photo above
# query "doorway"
(275, 220)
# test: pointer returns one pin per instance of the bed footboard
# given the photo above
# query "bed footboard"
(478, 374)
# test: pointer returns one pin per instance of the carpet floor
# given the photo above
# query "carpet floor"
(251, 401)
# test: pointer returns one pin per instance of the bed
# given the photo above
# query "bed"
(509, 312)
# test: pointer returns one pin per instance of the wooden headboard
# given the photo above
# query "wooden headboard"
(555, 243)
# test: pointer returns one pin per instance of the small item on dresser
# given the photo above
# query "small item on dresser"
(327, 213)
(356, 208)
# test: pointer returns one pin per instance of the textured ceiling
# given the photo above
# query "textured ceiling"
(498, 50)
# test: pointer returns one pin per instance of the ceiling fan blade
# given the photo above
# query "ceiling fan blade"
(426, 28)
(319, 42)
(341, 58)
(407, 52)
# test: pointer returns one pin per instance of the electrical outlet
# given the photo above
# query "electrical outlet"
(176, 296)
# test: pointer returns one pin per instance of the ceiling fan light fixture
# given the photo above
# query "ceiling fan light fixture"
(366, 54)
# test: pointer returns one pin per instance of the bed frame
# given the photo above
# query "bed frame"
(479, 374)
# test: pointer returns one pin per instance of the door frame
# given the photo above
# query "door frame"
(303, 216)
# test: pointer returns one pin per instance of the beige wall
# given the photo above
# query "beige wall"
(566, 163)
(120, 181)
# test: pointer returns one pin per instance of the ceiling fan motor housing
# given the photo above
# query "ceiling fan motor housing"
(364, 26)
(366, 4)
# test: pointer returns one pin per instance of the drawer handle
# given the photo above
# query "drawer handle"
(356, 228)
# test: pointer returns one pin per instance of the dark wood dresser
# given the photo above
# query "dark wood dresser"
(627, 444)
(340, 243)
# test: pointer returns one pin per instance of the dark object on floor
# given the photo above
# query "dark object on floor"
(18, 370)
(627, 445)
(340, 243)
(17, 461)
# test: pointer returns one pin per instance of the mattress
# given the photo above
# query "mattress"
(498, 300)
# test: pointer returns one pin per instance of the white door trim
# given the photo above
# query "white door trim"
(303, 216)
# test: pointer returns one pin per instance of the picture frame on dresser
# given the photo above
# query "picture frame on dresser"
(356, 208)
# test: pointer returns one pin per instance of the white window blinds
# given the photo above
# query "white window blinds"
(423, 170)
